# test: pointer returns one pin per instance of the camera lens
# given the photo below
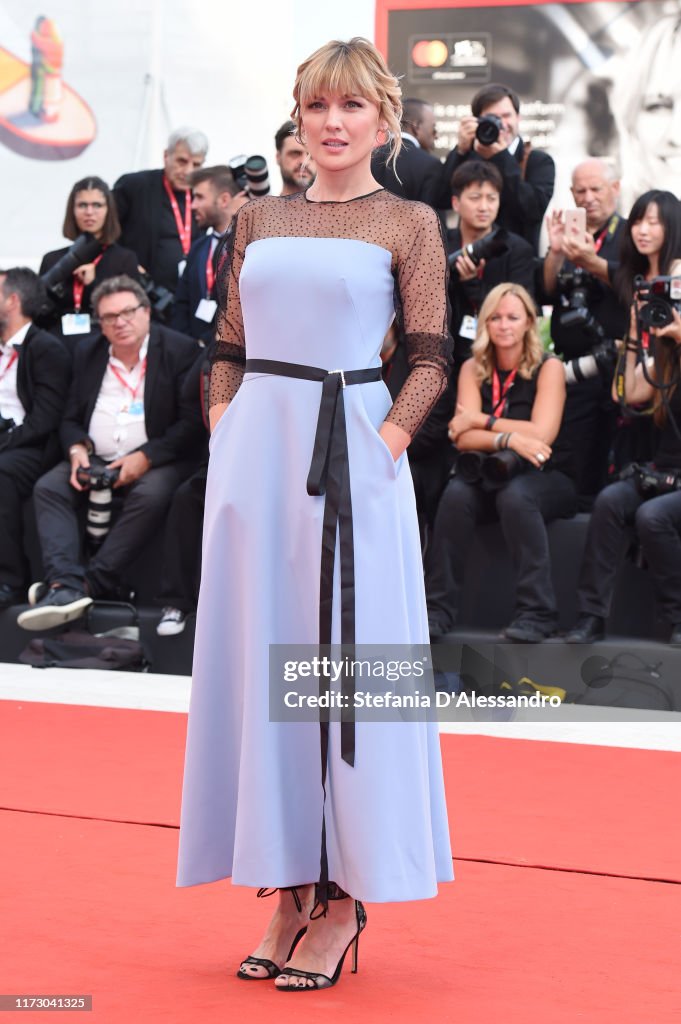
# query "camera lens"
(488, 129)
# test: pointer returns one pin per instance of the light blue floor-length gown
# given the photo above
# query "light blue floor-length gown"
(315, 284)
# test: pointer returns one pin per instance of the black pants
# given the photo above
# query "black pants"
(19, 470)
(182, 547)
(523, 507)
(617, 510)
(57, 506)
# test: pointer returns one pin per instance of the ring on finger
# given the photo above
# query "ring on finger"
(540, 457)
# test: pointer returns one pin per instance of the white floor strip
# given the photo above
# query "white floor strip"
(153, 692)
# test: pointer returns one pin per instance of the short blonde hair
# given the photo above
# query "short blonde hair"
(483, 349)
(346, 69)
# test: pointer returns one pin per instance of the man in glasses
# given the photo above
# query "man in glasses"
(127, 430)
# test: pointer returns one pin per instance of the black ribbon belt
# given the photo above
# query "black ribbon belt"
(330, 476)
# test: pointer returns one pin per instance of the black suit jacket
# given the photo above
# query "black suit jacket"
(173, 423)
(191, 289)
(139, 200)
(43, 373)
(419, 174)
(115, 260)
(524, 197)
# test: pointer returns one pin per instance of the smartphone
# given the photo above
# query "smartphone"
(575, 221)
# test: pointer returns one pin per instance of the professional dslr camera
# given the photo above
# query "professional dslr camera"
(575, 287)
(98, 480)
(493, 244)
(251, 175)
(660, 296)
(651, 482)
(161, 298)
(488, 129)
(84, 250)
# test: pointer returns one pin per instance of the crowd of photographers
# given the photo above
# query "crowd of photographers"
(105, 360)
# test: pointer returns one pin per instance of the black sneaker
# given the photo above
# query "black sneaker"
(59, 606)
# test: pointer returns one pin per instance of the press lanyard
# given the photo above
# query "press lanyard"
(133, 391)
(79, 287)
(12, 360)
(210, 271)
(498, 393)
(609, 229)
(183, 230)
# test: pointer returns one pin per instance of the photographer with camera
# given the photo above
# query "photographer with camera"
(491, 133)
(511, 466)
(215, 200)
(588, 314)
(34, 379)
(155, 212)
(71, 274)
(128, 428)
(481, 255)
(647, 496)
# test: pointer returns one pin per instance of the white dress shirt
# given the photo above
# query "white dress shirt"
(117, 425)
(10, 405)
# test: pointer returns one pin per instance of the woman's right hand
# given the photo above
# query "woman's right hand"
(535, 451)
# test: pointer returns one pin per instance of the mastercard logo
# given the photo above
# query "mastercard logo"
(429, 53)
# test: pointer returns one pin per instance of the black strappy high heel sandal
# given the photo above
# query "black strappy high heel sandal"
(272, 970)
(313, 980)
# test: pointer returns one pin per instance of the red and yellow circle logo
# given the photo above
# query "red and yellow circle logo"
(429, 53)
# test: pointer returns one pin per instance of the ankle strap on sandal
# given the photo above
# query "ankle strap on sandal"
(265, 892)
(324, 894)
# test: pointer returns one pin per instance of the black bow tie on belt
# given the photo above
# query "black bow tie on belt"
(330, 475)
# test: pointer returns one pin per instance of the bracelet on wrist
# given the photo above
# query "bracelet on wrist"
(498, 441)
(77, 448)
(491, 420)
(507, 438)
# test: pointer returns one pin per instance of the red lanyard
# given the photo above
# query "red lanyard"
(124, 382)
(12, 360)
(498, 393)
(79, 287)
(609, 229)
(183, 230)
(210, 271)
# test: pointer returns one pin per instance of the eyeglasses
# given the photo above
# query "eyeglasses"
(109, 319)
(90, 206)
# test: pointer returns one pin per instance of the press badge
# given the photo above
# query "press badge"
(469, 327)
(136, 408)
(75, 323)
(206, 310)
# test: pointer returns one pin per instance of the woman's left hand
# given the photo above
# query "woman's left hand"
(463, 421)
(672, 330)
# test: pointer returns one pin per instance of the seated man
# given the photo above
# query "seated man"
(34, 380)
(476, 188)
(126, 413)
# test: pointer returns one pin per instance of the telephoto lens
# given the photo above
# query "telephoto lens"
(257, 176)
(500, 467)
(469, 466)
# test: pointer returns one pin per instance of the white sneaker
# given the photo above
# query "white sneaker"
(172, 622)
(36, 592)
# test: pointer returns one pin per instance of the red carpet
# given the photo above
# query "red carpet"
(89, 905)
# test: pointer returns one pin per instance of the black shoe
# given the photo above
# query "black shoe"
(588, 630)
(526, 631)
(59, 606)
(10, 596)
(311, 979)
(255, 963)
(675, 638)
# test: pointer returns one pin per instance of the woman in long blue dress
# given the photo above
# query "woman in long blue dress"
(311, 536)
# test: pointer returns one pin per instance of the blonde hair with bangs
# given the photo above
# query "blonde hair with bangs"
(483, 349)
(355, 68)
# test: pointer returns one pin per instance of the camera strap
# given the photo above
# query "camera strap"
(184, 231)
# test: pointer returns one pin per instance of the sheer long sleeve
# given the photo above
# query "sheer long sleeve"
(227, 369)
(421, 308)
